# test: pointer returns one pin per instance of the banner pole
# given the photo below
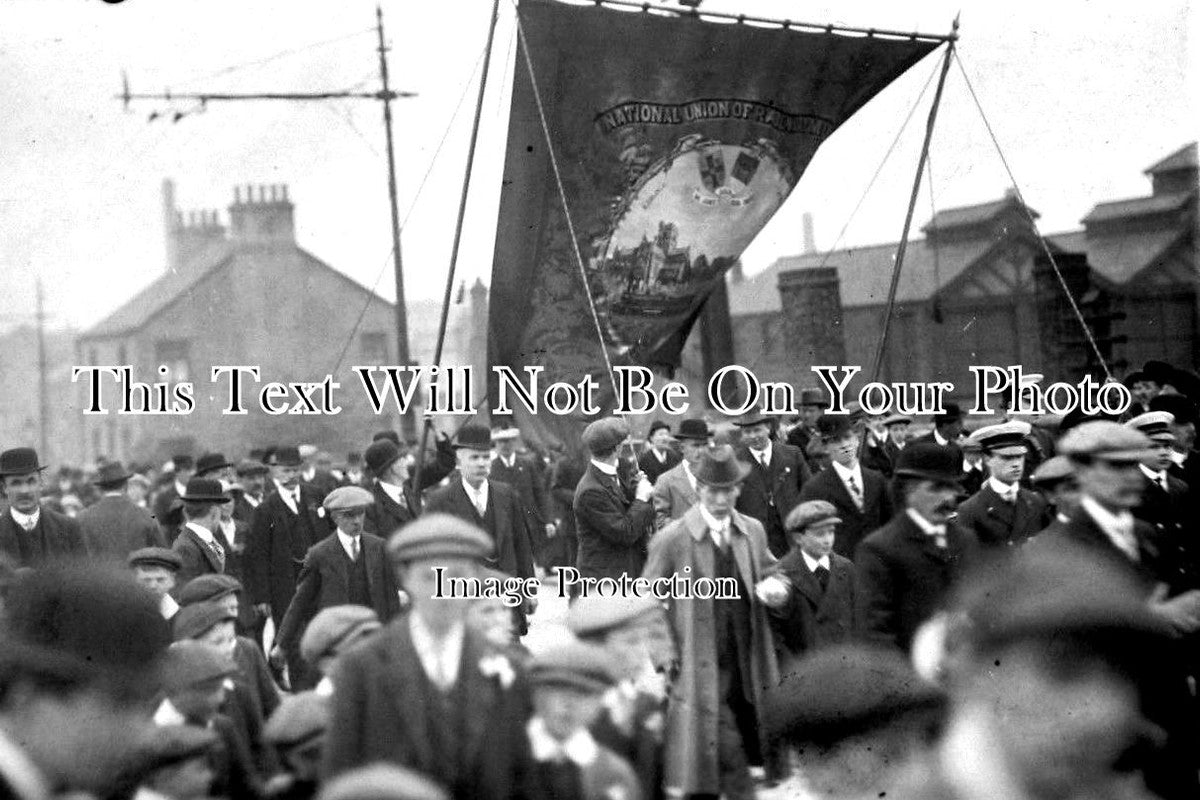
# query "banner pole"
(881, 347)
(458, 229)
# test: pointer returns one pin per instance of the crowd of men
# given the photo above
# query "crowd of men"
(1012, 612)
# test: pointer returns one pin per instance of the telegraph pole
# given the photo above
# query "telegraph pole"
(385, 95)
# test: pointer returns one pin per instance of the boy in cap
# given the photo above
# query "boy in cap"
(297, 732)
(777, 475)
(858, 493)
(333, 631)
(568, 683)
(31, 534)
(197, 544)
(675, 489)
(347, 566)
(113, 526)
(612, 528)
(427, 692)
(156, 568)
(727, 652)
(633, 716)
(1003, 513)
(904, 570)
(810, 591)
(77, 671)
(493, 506)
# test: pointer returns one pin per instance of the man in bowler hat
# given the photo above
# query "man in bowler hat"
(347, 566)
(31, 534)
(778, 472)
(114, 526)
(493, 506)
(906, 569)
(427, 692)
(395, 504)
(197, 545)
(727, 652)
(675, 489)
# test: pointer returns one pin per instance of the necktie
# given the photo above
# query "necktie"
(822, 574)
(939, 536)
(721, 537)
(855, 492)
(480, 505)
(28, 524)
(354, 548)
(1162, 480)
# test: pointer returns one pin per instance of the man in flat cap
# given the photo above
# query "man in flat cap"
(857, 492)
(347, 566)
(527, 476)
(568, 682)
(333, 631)
(427, 692)
(778, 472)
(1055, 479)
(156, 569)
(1003, 513)
(906, 568)
(78, 671)
(113, 526)
(197, 544)
(285, 526)
(613, 529)
(727, 652)
(810, 591)
(31, 534)
(176, 763)
(297, 732)
(675, 489)
(493, 506)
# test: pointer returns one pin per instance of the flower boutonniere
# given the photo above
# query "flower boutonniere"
(497, 666)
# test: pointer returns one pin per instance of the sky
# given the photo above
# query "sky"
(1082, 97)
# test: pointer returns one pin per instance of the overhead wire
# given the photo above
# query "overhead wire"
(274, 57)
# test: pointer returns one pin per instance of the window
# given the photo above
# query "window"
(375, 348)
(173, 354)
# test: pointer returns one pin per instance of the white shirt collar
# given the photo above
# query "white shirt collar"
(813, 563)
(927, 527)
(167, 606)
(717, 529)
(508, 461)
(660, 455)
(251, 499)
(581, 748)
(204, 533)
(229, 528)
(762, 455)
(26, 521)
(117, 493)
(846, 473)
(439, 657)
(1153, 475)
(1117, 527)
(393, 491)
(937, 437)
(167, 714)
(687, 470)
(1178, 457)
(348, 541)
(20, 772)
(1000, 487)
(479, 495)
(607, 469)
(180, 488)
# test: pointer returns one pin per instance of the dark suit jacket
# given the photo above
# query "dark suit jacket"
(997, 524)
(813, 618)
(242, 510)
(276, 547)
(386, 516)
(876, 456)
(325, 581)
(612, 531)
(198, 558)
(383, 702)
(114, 526)
(161, 509)
(769, 494)
(972, 481)
(527, 481)
(59, 535)
(827, 485)
(904, 577)
(1081, 530)
(649, 463)
(1172, 514)
(505, 522)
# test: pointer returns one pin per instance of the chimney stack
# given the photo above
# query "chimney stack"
(188, 233)
(262, 214)
(810, 242)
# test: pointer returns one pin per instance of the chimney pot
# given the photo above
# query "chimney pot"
(237, 195)
(285, 193)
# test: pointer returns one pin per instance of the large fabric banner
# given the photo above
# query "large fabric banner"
(677, 139)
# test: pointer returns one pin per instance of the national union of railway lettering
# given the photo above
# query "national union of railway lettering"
(642, 113)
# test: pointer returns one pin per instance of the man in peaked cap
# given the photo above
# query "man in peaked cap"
(493, 506)
(197, 544)
(183, 469)
(77, 671)
(569, 681)
(427, 692)
(778, 472)
(113, 526)
(285, 526)
(333, 631)
(30, 533)
(726, 648)
(675, 489)
(347, 566)
(612, 528)
(1003, 513)
(526, 475)
(906, 569)
(857, 492)
(156, 569)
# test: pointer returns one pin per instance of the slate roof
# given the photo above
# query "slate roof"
(1137, 206)
(1119, 258)
(1183, 158)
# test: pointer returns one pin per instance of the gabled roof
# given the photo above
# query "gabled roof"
(1119, 258)
(1183, 158)
(971, 215)
(163, 291)
(1137, 207)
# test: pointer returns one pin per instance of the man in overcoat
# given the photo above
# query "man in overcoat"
(114, 526)
(675, 489)
(778, 472)
(490, 505)
(726, 649)
(527, 476)
(197, 545)
(427, 692)
(31, 534)
(1003, 513)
